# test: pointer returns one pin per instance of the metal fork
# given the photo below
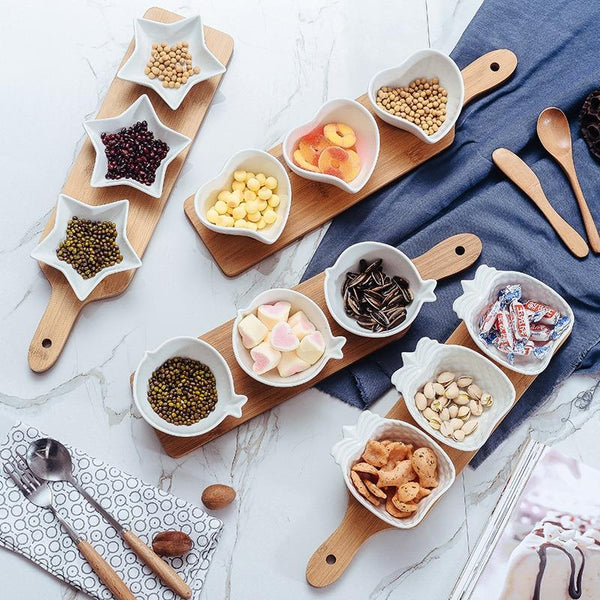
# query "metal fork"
(39, 493)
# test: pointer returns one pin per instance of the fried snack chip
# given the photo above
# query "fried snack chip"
(375, 453)
(424, 462)
(392, 472)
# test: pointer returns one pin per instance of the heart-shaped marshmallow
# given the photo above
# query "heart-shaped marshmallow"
(282, 337)
(252, 330)
(271, 314)
(300, 324)
(290, 364)
(265, 358)
(311, 347)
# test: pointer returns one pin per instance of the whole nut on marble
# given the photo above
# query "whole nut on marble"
(171, 543)
(218, 496)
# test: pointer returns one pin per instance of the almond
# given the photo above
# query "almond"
(218, 496)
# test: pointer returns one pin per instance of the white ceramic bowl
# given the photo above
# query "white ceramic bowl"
(425, 63)
(356, 116)
(140, 110)
(333, 345)
(228, 404)
(349, 449)
(255, 161)
(67, 208)
(479, 292)
(431, 358)
(394, 263)
(149, 32)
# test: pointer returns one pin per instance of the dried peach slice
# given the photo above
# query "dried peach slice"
(303, 163)
(344, 164)
(340, 134)
(311, 146)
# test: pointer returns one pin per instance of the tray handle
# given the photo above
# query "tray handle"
(487, 72)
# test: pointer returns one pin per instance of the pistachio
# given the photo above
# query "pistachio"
(462, 399)
(445, 378)
(456, 424)
(429, 414)
(453, 410)
(445, 414)
(452, 391)
(464, 381)
(458, 435)
(421, 401)
(437, 405)
(429, 391)
(470, 426)
(439, 389)
(477, 410)
(474, 391)
(446, 429)
(487, 400)
(435, 423)
(464, 412)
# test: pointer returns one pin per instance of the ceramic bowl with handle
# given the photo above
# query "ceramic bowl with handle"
(479, 293)
(424, 63)
(356, 116)
(66, 209)
(333, 344)
(395, 262)
(429, 359)
(348, 450)
(228, 404)
(255, 161)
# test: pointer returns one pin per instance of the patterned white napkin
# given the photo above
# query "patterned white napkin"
(35, 533)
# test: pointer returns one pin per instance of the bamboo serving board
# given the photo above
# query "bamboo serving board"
(144, 211)
(334, 555)
(447, 258)
(314, 204)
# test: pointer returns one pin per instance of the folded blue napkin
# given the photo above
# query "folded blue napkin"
(557, 43)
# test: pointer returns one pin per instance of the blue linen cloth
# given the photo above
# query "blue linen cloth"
(557, 43)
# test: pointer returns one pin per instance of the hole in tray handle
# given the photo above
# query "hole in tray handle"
(46, 343)
(330, 559)
(495, 66)
(460, 250)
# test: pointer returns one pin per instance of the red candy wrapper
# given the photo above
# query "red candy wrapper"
(489, 317)
(504, 328)
(542, 313)
(540, 332)
(519, 321)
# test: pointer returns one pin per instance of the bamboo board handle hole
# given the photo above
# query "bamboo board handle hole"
(460, 250)
(495, 66)
(331, 559)
(46, 343)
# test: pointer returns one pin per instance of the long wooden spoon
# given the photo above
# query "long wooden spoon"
(521, 175)
(555, 135)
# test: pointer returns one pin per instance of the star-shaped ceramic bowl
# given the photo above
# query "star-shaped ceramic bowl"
(356, 116)
(151, 32)
(67, 208)
(425, 63)
(255, 161)
(140, 110)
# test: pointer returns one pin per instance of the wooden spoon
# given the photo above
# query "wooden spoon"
(555, 135)
(521, 175)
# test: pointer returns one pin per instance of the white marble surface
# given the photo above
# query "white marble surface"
(289, 57)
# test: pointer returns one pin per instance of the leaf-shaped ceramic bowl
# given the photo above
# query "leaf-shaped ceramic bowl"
(480, 292)
(333, 345)
(431, 358)
(255, 161)
(362, 122)
(394, 263)
(140, 110)
(228, 404)
(424, 63)
(148, 32)
(349, 449)
(66, 209)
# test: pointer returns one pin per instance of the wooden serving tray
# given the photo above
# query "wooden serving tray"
(314, 204)
(334, 555)
(144, 211)
(447, 258)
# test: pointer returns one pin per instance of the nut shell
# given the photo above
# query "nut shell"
(218, 496)
(171, 543)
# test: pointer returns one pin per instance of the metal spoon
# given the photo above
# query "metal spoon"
(555, 135)
(48, 459)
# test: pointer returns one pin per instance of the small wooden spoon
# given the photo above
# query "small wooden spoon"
(521, 175)
(555, 135)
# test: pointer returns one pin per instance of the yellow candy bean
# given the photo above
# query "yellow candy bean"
(253, 184)
(241, 224)
(264, 193)
(238, 185)
(223, 195)
(274, 201)
(261, 224)
(220, 207)
(252, 207)
(249, 195)
(239, 212)
(262, 205)
(249, 175)
(269, 216)
(251, 226)
(212, 215)
(261, 178)
(254, 217)
(240, 175)
(225, 221)
(271, 183)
